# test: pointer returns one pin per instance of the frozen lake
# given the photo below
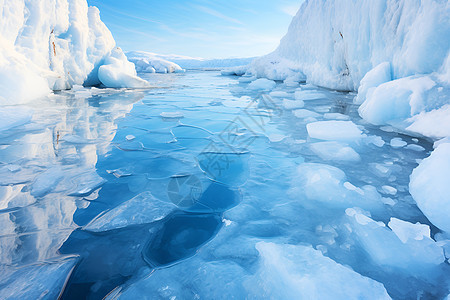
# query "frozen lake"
(206, 188)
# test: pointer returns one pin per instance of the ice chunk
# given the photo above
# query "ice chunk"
(262, 84)
(38, 281)
(324, 186)
(191, 279)
(305, 95)
(409, 231)
(336, 116)
(435, 123)
(376, 140)
(301, 272)
(387, 189)
(406, 247)
(334, 130)
(143, 208)
(398, 143)
(118, 72)
(293, 104)
(378, 75)
(430, 187)
(304, 113)
(280, 94)
(335, 151)
(416, 148)
(172, 114)
(396, 101)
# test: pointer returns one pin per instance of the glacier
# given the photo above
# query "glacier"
(52, 45)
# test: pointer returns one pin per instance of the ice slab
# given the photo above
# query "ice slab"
(334, 131)
(141, 209)
(301, 272)
(262, 84)
(320, 186)
(38, 281)
(335, 151)
(407, 246)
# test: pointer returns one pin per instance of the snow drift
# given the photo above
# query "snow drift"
(51, 45)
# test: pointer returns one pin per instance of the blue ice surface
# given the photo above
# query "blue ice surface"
(229, 161)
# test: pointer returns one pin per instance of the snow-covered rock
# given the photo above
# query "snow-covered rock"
(51, 45)
(430, 187)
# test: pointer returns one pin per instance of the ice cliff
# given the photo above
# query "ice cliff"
(53, 44)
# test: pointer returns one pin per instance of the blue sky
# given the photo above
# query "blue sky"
(199, 28)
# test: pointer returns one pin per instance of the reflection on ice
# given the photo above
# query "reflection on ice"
(266, 190)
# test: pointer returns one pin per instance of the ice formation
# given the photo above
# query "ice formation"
(55, 50)
(152, 62)
(395, 54)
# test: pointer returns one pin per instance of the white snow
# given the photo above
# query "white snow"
(430, 186)
(55, 50)
(334, 130)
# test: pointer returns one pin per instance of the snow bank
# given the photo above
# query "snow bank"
(176, 63)
(51, 45)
